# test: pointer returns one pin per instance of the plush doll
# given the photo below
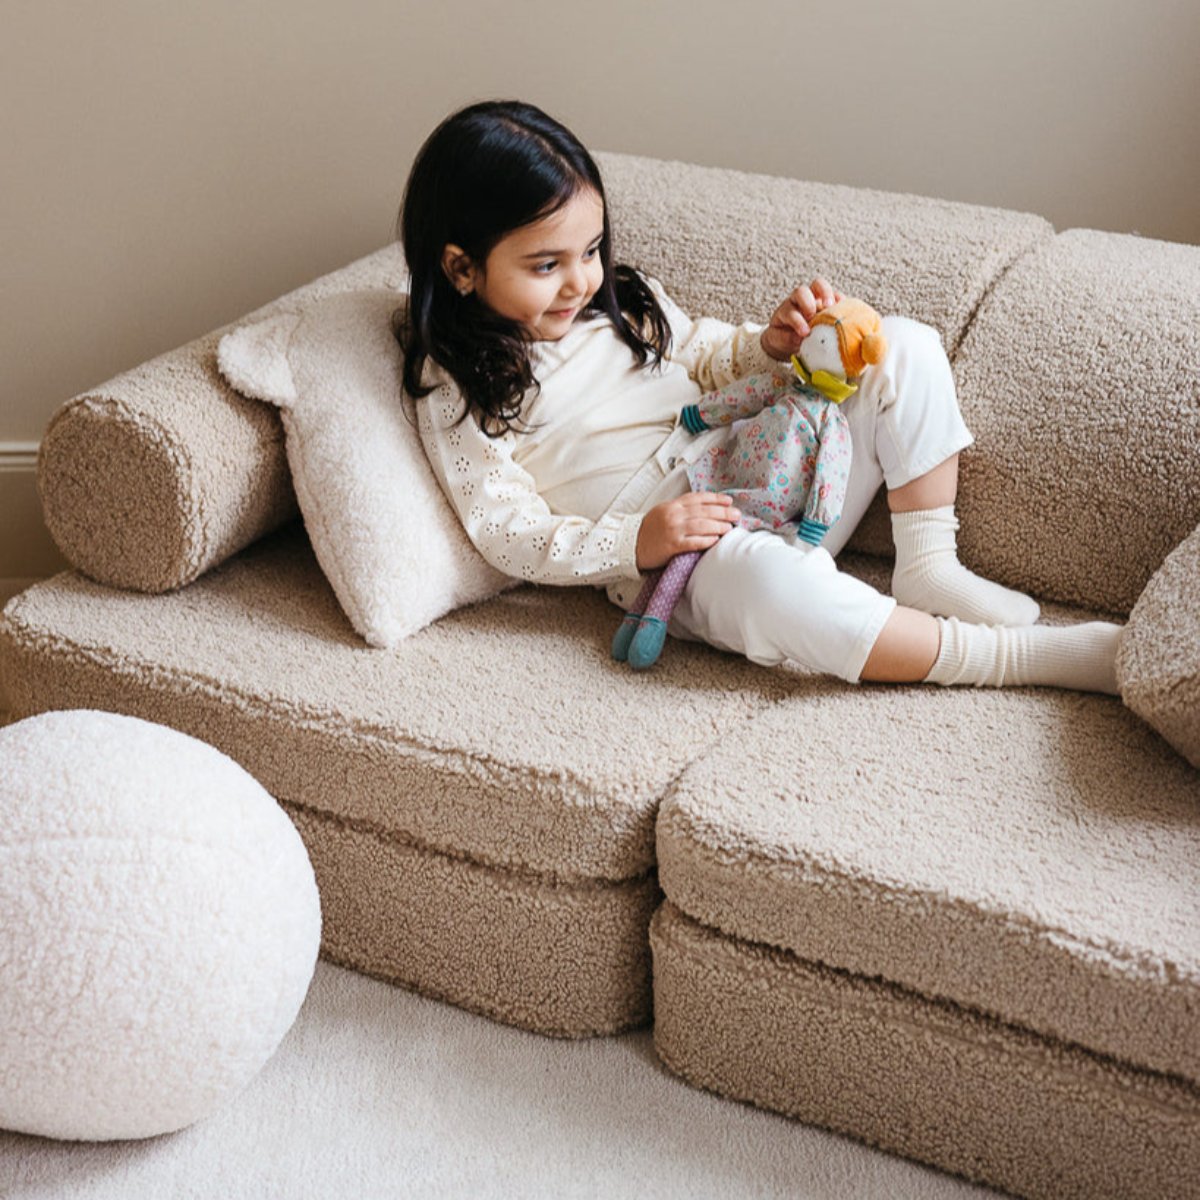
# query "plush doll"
(785, 463)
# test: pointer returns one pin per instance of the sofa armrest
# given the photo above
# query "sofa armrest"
(1158, 667)
(163, 472)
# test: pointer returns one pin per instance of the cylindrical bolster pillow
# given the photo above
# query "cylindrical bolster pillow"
(163, 472)
(1158, 667)
(1080, 379)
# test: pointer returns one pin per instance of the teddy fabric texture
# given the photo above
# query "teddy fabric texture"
(385, 536)
(1043, 443)
(786, 460)
(159, 926)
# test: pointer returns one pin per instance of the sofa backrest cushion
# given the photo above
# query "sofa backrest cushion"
(1080, 378)
(731, 245)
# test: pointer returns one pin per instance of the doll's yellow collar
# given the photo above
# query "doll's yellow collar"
(830, 386)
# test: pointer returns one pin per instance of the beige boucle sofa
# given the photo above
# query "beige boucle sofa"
(961, 925)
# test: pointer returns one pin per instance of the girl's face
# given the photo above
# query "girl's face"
(544, 274)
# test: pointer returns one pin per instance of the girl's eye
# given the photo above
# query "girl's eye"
(546, 267)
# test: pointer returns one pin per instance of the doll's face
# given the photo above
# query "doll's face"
(820, 352)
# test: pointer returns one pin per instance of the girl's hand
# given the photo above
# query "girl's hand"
(790, 322)
(694, 521)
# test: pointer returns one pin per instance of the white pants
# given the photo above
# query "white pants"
(771, 600)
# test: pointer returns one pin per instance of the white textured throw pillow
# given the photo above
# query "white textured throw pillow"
(387, 539)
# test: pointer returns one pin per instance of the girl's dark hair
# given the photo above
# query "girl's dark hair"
(484, 171)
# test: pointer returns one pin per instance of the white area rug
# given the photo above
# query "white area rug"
(376, 1092)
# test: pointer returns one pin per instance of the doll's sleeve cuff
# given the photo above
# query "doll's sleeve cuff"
(812, 532)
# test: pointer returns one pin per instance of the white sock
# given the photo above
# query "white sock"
(1082, 657)
(929, 576)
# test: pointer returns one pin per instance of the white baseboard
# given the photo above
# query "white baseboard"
(26, 549)
(18, 456)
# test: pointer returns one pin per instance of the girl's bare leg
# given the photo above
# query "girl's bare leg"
(905, 650)
(934, 489)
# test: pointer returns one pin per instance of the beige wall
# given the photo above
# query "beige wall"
(168, 166)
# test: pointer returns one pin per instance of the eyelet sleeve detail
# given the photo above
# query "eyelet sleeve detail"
(507, 521)
(714, 353)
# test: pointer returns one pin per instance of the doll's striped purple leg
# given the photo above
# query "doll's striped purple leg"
(651, 630)
(628, 627)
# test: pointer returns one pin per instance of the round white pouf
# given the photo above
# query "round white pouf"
(159, 927)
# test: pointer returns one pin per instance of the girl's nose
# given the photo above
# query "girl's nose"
(576, 283)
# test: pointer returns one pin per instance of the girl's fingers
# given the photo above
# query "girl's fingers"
(708, 500)
(707, 515)
(722, 509)
(723, 514)
(824, 292)
(799, 325)
(805, 301)
(707, 529)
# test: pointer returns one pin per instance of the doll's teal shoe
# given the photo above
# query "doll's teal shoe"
(647, 643)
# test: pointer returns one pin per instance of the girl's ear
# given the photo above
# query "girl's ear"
(458, 268)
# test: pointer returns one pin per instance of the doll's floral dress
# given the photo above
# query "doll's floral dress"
(785, 459)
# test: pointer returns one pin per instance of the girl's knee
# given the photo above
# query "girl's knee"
(910, 331)
(913, 343)
(916, 365)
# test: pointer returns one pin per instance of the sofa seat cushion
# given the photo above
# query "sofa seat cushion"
(561, 959)
(503, 733)
(1032, 855)
(916, 1076)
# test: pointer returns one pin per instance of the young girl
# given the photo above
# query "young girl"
(551, 382)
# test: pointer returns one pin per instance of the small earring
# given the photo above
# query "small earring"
(465, 289)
